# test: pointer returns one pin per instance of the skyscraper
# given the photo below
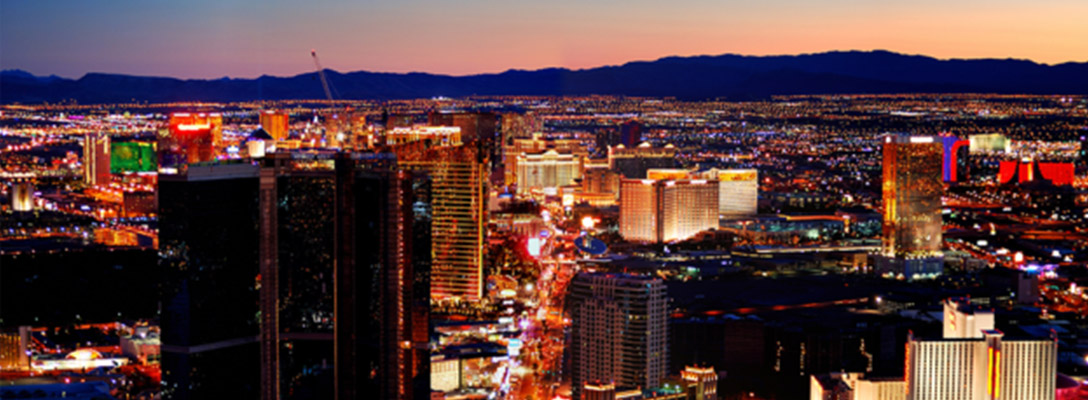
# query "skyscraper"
(459, 199)
(667, 210)
(275, 123)
(987, 368)
(325, 252)
(381, 324)
(514, 126)
(618, 330)
(912, 190)
(191, 138)
(963, 321)
(478, 130)
(96, 159)
(208, 248)
(738, 190)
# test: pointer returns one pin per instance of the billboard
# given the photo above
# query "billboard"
(133, 157)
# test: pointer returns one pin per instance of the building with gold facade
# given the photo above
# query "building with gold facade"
(912, 188)
(667, 210)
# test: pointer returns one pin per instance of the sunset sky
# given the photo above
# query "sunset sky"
(216, 38)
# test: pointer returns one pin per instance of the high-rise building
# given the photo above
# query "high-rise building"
(22, 196)
(332, 257)
(536, 143)
(15, 346)
(632, 162)
(459, 198)
(738, 190)
(210, 314)
(964, 321)
(600, 186)
(987, 368)
(547, 171)
(956, 159)
(191, 138)
(855, 386)
(429, 135)
(96, 159)
(598, 391)
(275, 123)
(381, 328)
(618, 330)
(702, 382)
(514, 126)
(478, 130)
(912, 191)
(667, 210)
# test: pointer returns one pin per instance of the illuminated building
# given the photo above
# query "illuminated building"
(632, 162)
(275, 123)
(598, 391)
(13, 349)
(191, 138)
(989, 143)
(459, 198)
(956, 163)
(430, 135)
(986, 368)
(912, 191)
(96, 159)
(702, 382)
(547, 171)
(1024, 171)
(962, 321)
(667, 210)
(618, 330)
(479, 129)
(536, 144)
(514, 126)
(22, 196)
(474, 126)
(132, 157)
(600, 186)
(258, 143)
(738, 190)
(855, 386)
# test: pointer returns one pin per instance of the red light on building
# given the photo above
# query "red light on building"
(1058, 173)
(1061, 174)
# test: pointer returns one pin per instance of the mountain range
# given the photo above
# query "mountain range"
(728, 76)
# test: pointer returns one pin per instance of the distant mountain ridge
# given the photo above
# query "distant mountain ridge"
(726, 76)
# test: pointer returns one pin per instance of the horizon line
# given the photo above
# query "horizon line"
(542, 68)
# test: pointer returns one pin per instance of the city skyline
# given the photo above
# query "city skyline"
(211, 40)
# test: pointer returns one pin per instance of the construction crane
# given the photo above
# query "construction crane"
(321, 73)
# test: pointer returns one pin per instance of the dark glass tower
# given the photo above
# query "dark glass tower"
(309, 278)
(381, 325)
(209, 292)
